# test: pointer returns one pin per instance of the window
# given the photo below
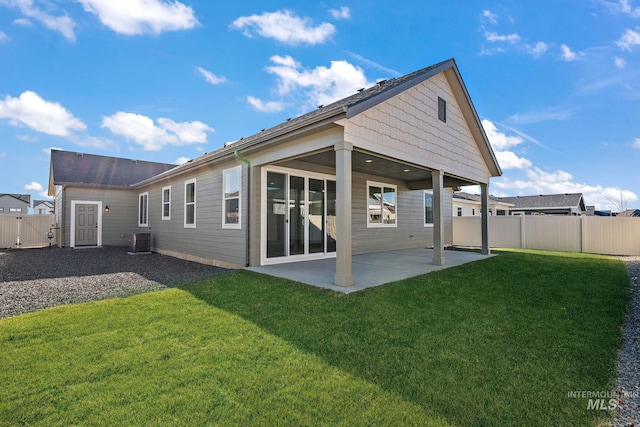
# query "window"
(166, 202)
(15, 210)
(382, 205)
(428, 209)
(143, 210)
(459, 211)
(190, 203)
(231, 183)
(442, 110)
(1, 210)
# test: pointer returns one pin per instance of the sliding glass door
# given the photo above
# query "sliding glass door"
(300, 215)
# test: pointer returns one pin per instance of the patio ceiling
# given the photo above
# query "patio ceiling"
(416, 177)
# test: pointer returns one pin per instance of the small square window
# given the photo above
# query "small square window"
(442, 110)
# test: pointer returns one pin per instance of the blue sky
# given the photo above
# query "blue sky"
(555, 82)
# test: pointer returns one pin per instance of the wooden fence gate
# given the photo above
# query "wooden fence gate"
(27, 231)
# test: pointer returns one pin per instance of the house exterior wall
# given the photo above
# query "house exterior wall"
(208, 242)
(410, 231)
(8, 202)
(117, 225)
(407, 127)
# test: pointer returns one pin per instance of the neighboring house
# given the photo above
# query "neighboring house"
(369, 173)
(467, 204)
(41, 207)
(630, 213)
(86, 186)
(547, 204)
(14, 203)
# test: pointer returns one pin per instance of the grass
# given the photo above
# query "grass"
(496, 342)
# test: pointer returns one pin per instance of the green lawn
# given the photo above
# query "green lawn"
(496, 342)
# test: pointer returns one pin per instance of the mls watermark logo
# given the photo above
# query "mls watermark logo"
(601, 400)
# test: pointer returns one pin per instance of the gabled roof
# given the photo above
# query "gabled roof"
(357, 103)
(461, 195)
(547, 201)
(43, 202)
(22, 197)
(69, 168)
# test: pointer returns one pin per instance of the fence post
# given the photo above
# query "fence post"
(583, 228)
(523, 234)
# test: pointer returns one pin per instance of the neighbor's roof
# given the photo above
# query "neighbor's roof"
(91, 170)
(461, 195)
(352, 105)
(22, 197)
(547, 201)
(41, 202)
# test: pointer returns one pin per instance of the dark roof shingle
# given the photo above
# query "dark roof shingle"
(89, 169)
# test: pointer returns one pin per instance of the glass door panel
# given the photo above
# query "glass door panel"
(296, 215)
(276, 214)
(331, 216)
(316, 215)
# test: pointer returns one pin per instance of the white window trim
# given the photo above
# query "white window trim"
(424, 207)
(168, 217)
(226, 172)
(140, 196)
(382, 186)
(195, 203)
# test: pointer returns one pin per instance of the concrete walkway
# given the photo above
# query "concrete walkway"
(369, 270)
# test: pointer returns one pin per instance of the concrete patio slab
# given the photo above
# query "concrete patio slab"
(369, 270)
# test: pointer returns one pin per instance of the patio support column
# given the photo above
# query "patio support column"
(438, 217)
(344, 273)
(484, 204)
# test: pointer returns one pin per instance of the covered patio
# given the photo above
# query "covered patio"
(369, 270)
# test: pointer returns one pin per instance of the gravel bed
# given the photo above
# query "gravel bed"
(628, 373)
(34, 279)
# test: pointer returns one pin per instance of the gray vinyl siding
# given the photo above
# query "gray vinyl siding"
(409, 232)
(208, 242)
(117, 225)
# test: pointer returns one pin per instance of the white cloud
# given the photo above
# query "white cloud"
(342, 13)
(495, 37)
(375, 65)
(265, 107)
(210, 77)
(134, 17)
(491, 17)
(509, 160)
(142, 130)
(34, 186)
(557, 182)
(3, 37)
(628, 9)
(37, 187)
(568, 55)
(499, 140)
(321, 85)
(181, 160)
(40, 115)
(538, 49)
(636, 143)
(629, 39)
(62, 24)
(285, 27)
(619, 62)
(534, 180)
(23, 22)
(543, 115)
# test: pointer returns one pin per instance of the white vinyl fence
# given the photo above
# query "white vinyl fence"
(591, 234)
(26, 231)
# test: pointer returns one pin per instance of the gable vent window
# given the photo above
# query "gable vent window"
(442, 110)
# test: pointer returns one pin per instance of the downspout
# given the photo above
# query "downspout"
(239, 157)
